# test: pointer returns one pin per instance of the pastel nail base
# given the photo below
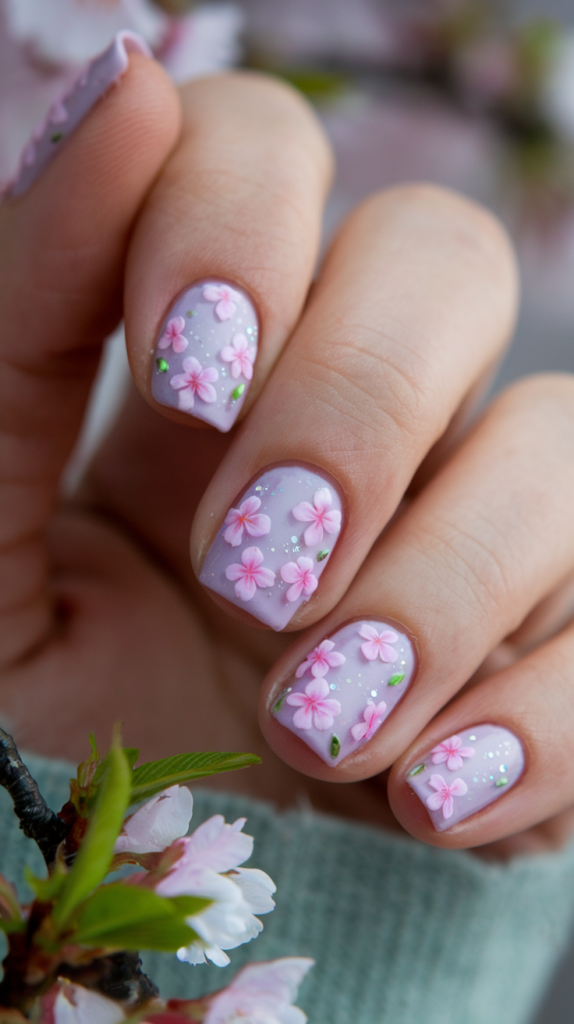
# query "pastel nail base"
(207, 340)
(493, 769)
(65, 116)
(279, 491)
(359, 685)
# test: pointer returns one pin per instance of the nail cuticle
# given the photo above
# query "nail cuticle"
(347, 687)
(466, 772)
(202, 363)
(264, 557)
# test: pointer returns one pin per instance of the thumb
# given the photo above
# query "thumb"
(64, 228)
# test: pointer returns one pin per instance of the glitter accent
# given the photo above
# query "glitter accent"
(335, 746)
(473, 737)
(348, 680)
(415, 771)
(258, 488)
(503, 768)
(235, 394)
(322, 554)
(293, 540)
(373, 693)
(162, 365)
(395, 680)
(501, 782)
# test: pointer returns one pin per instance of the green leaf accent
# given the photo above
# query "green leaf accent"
(57, 137)
(395, 680)
(151, 778)
(191, 312)
(129, 917)
(501, 782)
(335, 747)
(162, 365)
(94, 857)
(278, 703)
(415, 771)
(321, 555)
(237, 392)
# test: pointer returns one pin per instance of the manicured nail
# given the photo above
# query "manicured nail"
(68, 112)
(466, 772)
(274, 544)
(203, 359)
(346, 687)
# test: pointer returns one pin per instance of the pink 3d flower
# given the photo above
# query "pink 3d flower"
(250, 574)
(444, 794)
(315, 707)
(173, 335)
(300, 574)
(197, 380)
(378, 644)
(373, 715)
(451, 751)
(224, 296)
(247, 518)
(320, 660)
(319, 516)
(241, 355)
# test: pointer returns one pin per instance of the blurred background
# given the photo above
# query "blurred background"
(471, 94)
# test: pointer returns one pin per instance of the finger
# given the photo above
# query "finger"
(62, 245)
(225, 248)
(518, 749)
(416, 297)
(463, 567)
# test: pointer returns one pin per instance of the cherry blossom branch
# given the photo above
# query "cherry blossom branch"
(37, 820)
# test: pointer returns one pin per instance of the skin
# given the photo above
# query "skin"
(370, 374)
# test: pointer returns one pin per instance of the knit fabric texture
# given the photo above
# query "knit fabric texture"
(401, 933)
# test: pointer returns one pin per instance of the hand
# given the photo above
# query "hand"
(458, 542)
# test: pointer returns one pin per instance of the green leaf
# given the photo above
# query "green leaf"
(335, 747)
(46, 889)
(395, 680)
(95, 854)
(419, 768)
(237, 392)
(151, 778)
(132, 754)
(129, 917)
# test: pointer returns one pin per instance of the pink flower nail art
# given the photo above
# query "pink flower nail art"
(300, 574)
(173, 335)
(319, 516)
(320, 660)
(373, 715)
(240, 354)
(451, 751)
(378, 644)
(315, 707)
(265, 510)
(246, 518)
(225, 297)
(444, 794)
(196, 380)
(250, 574)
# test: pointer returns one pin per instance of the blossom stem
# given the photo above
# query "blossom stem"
(37, 820)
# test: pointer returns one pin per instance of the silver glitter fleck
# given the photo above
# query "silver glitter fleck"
(373, 693)
(348, 680)
(293, 540)
(503, 768)
(472, 737)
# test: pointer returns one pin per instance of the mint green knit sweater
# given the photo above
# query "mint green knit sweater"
(401, 933)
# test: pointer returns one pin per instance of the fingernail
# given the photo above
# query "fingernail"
(466, 772)
(347, 686)
(203, 359)
(275, 543)
(68, 112)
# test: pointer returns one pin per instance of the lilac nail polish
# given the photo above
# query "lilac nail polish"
(346, 687)
(466, 772)
(274, 544)
(68, 112)
(203, 359)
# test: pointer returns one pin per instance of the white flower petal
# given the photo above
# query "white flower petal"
(157, 824)
(77, 1005)
(256, 887)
